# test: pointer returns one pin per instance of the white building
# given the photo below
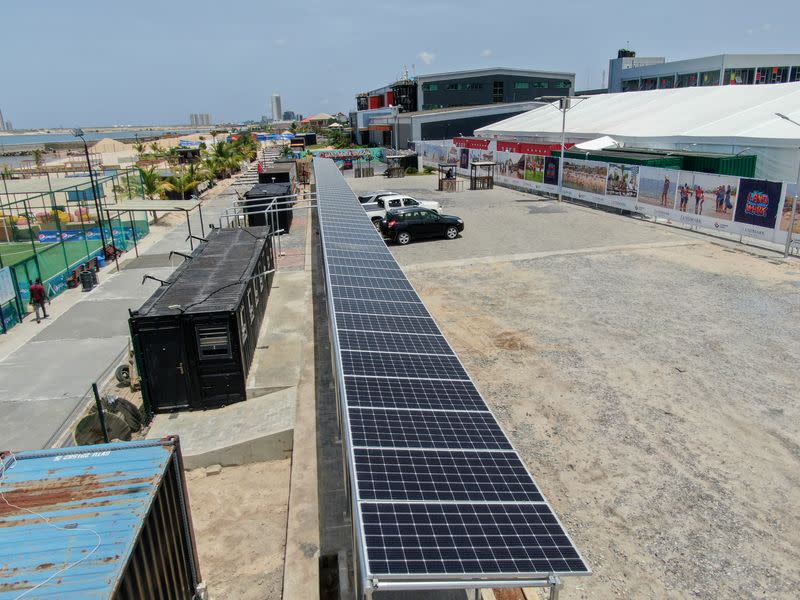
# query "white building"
(628, 73)
(2, 123)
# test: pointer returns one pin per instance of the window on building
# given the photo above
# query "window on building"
(630, 85)
(430, 87)
(498, 91)
(772, 75)
(454, 86)
(649, 83)
(739, 76)
(709, 78)
(213, 342)
(665, 83)
(795, 74)
(540, 84)
(686, 80)
(473, 86)
(522, 85)
(563, 84)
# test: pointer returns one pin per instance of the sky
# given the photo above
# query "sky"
(91, 63)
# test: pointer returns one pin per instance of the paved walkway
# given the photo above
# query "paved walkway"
(47, 370)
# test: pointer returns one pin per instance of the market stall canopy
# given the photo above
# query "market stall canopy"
(600, 143)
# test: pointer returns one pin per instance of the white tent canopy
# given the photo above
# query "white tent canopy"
(726, 119)
(600, 143)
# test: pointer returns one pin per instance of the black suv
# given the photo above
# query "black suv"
(404, 224)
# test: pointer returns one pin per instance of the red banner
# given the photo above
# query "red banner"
(526, 148)
(473, 143)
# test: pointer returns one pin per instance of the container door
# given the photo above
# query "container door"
(167, 371)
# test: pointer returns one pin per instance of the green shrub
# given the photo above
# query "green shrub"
(411, 171)
(428, 169)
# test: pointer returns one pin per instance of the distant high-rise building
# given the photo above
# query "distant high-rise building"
(9, 126)
(288, 115)
(200, 119)
(2, 123)
(276, 107)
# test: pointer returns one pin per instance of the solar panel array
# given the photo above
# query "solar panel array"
(439, 492)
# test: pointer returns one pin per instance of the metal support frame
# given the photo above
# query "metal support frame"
(790, 232)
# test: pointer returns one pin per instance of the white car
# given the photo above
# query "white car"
(377, 210)
(374, 196)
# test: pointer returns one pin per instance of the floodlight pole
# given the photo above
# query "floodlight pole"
(79, 133)
(564, 102)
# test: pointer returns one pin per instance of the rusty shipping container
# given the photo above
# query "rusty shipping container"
(105, 521)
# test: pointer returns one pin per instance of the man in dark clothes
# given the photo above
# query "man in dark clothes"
(38, 298)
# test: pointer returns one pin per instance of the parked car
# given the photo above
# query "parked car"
(347, 163)
(371, 198)
(405, 224)
(377, 210)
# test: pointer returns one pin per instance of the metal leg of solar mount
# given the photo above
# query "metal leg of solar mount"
(555, 587)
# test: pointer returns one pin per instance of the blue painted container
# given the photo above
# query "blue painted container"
(105, 521)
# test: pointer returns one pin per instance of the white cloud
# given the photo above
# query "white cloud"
(487, 53)
(426, 57)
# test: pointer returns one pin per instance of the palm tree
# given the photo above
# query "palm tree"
(184, 181)
(155, 147)
(38, 159)
(6, 172)
(140, 148)
(153, 185)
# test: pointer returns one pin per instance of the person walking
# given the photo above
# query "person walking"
(698, 200)
(665, 192)
(684, 197)
(728, 203)
(38, 298)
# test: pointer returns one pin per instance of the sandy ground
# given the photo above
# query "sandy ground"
(652, 391)
(239, 520)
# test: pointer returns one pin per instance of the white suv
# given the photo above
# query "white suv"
(377, 210)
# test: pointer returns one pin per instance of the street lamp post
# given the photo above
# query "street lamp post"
(564, 104)
(79, 133)
(797, 197)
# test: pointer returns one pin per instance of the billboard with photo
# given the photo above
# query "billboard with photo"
(708, 195)
(534, 168)
(758, 203)
(510, 166)
(550, 170)
(622, 180)
(657, 186)
(786, 213)
(585, 176)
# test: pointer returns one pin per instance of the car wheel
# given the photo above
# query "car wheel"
(403, 238)
(451, 232)
(377, 224)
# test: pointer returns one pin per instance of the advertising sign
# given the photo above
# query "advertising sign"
(585, 176)
(786, 213)
(758, 203)
(550, 170)
(7, 292)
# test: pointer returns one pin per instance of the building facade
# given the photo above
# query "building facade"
(2, 123)
(200, 119)
(629, 73)
(457, 89)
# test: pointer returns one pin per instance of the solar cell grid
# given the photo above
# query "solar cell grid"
(366, 322)
(378, 307)
(372, 279)
(423, 394)
(443, 476)
(403, 539)
(382, 428)
(362, 293)
(393, 277)
(380, 341)
(414, 366)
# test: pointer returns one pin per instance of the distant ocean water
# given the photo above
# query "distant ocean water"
(7, 141)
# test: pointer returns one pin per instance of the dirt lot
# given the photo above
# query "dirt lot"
(243, 534)
(648, 376)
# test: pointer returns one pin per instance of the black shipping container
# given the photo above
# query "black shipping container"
(256, 202)
(279, 172)
(194, 338)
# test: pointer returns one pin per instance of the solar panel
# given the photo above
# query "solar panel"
(381, 341)
(414, 366)
(389, 428)
(380, 392)
(440, 495)
(443, 476)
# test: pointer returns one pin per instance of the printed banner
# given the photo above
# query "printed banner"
(786, 213)
(7, 291)
(758, 204)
